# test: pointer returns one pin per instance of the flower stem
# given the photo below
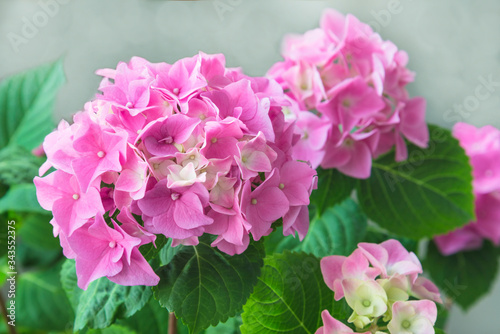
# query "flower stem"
(172, 323)
(12, 329)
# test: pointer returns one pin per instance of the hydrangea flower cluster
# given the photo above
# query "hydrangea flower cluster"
(380, 294)
(347, 88)
(191, 148)
(482, 145)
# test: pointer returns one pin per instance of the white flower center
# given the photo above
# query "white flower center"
(112, 244)
(101, 154)
(76, 196)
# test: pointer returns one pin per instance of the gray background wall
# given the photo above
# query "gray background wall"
(452, 45)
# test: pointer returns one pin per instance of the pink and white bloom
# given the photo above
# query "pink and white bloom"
(377, 281)
(413, 317)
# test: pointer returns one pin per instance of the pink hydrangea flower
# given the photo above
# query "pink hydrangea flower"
(482, 145)
(177, 149)
(355, 84)
(103, 251)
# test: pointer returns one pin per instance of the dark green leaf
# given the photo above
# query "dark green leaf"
(115, 329)
(103, 301)
(276, 242)
(426, 195)
(442, 316)
(204, 286)
(32, 258)
(26, 103)
(152, 318)
(289, 297)
(41, 303)
(333, 188)
(464, 277)
(36, 231)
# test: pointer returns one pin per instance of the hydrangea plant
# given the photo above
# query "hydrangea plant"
(292, 203)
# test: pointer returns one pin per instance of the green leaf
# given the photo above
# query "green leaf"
(464, 277)
(337, 232)
(442, 316)
(289, 297)
(103, 301)
(333, 188)
(150, 251)
(41, 303)
(26, 103)
(114, 329)
(152, 318)
(276, 242)
(439, 331)
(69, 283)
(167, 253)
(36, 231)
(426, 195)
(231, 326)
(21, 198)
(18, 165)
(204, 286)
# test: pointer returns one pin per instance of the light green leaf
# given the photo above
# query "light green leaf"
(427, 195)
(231, 326)
(289, 297)
(204, 286)
(21, 198)
(150, 251)
(464, 277)
(26, 103)
(167, 253)
(103, 301)
(336, 232)
(18, 165)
